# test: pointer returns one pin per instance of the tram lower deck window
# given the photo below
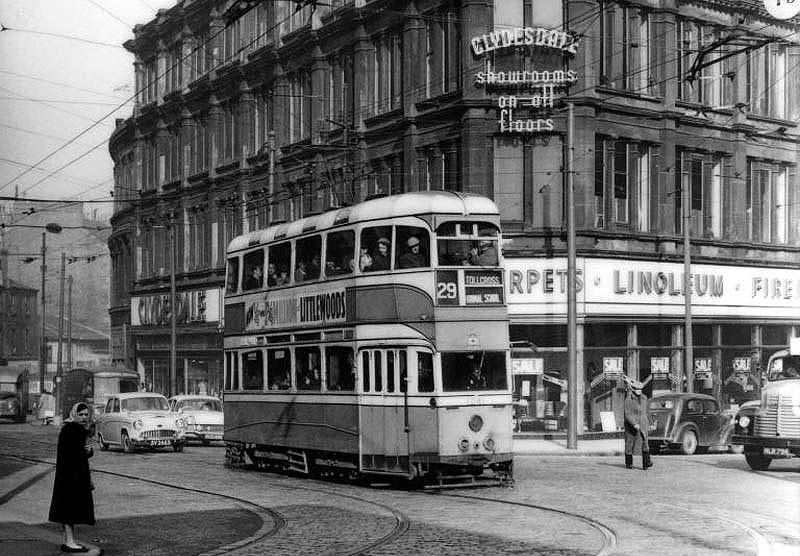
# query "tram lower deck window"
(253, 370)
(474, 371)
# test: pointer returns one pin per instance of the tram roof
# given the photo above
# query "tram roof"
(393, 206)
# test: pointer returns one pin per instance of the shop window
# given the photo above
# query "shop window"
(702, 335)
(339, 247)
(308, 375)
(253, 370)
(253, 275)
(414, 251)
(736, 335)
(424, 372)
(474, 371)
(375, 252)
(279, 369)
(339, 369)
(654, 335)
(539, 335)
(606, 334)
(772, 335)
(308, 259)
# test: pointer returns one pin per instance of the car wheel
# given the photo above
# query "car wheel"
(757, 462)
(103, 443)
(688, 443)
(177, 447)
(127, 445)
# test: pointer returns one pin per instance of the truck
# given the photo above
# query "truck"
(773, 431)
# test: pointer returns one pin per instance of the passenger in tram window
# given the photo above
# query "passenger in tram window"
(272, 275)
(413, 257)
(283, 277)
(476, 380)
(255, 279)
(300, 274)
(380, 261)
(312, 269)
(483, 255)
(365, 261)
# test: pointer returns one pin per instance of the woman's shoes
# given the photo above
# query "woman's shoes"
(65, 548)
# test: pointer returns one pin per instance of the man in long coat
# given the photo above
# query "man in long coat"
(637, 425)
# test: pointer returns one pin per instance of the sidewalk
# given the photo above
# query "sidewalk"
(21, 539)
(525, 445)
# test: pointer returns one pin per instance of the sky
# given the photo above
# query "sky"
(64, 80)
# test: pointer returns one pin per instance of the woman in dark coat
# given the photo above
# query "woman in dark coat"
(637, 425)
(72, 491)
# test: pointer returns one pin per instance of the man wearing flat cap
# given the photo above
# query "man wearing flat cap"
(413, 257)
(637, 424)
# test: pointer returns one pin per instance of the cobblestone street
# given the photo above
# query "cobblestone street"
(189, 503)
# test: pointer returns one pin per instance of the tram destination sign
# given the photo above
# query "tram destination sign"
(317, 308)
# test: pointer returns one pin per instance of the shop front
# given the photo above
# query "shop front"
(198, 346)
(631, 322)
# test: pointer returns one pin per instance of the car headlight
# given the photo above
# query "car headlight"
(179, 423)
(189, 420)
(138, 424)
(463, 444)
(744, 421)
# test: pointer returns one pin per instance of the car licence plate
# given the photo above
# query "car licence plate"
(784, 452)
(160, 442)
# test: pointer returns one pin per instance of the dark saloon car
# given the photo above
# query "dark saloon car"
(11, 407)
(687, 422)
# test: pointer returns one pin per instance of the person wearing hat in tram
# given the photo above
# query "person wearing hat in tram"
(380, 260)
(484, 254)
(413, 257)
(637, 424)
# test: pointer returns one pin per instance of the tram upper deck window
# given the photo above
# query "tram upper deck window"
(474, 371)
(279, 369)
(467, 243)
(309, 251)
(339, 253)
(375, 251)
(339, 368)
(233, 275)
(253, 275)
(424, 371)
(253, 370)
(307, 371)
(413, 247)
(280, 261)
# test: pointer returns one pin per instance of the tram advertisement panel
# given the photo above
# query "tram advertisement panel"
(314, 309)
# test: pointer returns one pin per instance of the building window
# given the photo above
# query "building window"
(198, 59)
(438, 167)
(149, 77)
(199, 240)
(625, 48)
(174, 73)
(387, 73)
(229, 225)
(173, 158)
(622, 182)
(149, 165)
(263, 120)
(300, 95)
(771, 203)
(198, 146)
(442, 52)
(340, 91)
(773, 81)
(712, 86)
(228, 132)
(702, 174)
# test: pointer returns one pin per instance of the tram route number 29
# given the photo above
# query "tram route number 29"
(447, 288)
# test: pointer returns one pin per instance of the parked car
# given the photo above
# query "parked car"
(687, 422)
(139, 420)
(11, 407)
(742, 420)
(202, 416)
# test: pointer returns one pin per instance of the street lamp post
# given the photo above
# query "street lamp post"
(173, 347)
(53, 229)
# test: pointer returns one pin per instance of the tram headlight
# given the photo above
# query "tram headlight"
(463, 444)
(137, 424)
(475, 423)
(489, 444)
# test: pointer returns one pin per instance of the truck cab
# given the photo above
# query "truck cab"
(773, 432)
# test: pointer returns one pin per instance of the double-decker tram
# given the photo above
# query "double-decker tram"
(371, 340)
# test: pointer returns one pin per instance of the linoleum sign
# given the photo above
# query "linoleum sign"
(609, 286)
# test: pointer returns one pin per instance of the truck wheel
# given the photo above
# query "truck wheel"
(127, 445)
(688, 443)
(757, 462)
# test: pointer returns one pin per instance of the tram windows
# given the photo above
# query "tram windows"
(307, 371)
(233, 275)
(424, 371)
(253, 277)
(401, 362)
(279, 369)
(486, 229)
(339, 370)
(378, 360)
(463, 371)
(339, 253)
(308, 257)
(280, 258)
(390, 372)
(365, 371)
(253, 370)
(375, 252)
(231, 370)
(413, 247)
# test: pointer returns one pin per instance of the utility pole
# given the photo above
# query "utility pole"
(43, 340)
(573, 414)
(270, 177)
(69, 322)
(688, 358)
(59, 357)
(173, 347)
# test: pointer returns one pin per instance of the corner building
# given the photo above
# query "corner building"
(250, 113)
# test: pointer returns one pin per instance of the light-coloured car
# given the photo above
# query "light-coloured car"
(202, 416)
(139, 420)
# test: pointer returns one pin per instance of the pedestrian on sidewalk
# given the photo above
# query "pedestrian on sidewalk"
(72, 491)
(637, 424)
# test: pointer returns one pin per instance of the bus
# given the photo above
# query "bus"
(371, 340)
